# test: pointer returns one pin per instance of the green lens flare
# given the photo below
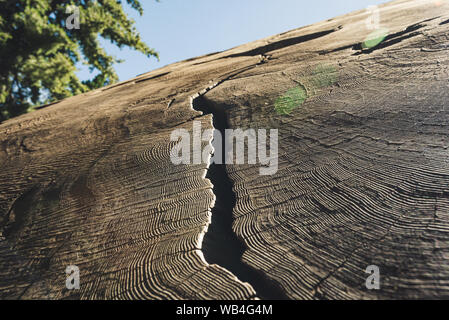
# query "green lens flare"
(292, 99)
(324, 76)
(375, 38)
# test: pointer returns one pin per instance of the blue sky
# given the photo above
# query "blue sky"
(181, 29)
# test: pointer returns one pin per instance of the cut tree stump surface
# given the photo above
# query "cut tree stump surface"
(362, 179)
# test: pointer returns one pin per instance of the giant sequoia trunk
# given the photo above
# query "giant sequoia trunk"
(362, 179)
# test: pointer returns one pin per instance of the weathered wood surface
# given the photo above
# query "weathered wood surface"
(363, 173)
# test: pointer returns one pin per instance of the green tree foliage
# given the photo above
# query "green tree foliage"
(38, 52)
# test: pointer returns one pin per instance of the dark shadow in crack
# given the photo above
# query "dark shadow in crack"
(281, 44)
(152, 77)
(389, 40)
(221, 245)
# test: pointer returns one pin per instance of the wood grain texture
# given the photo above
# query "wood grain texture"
(363, 173)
